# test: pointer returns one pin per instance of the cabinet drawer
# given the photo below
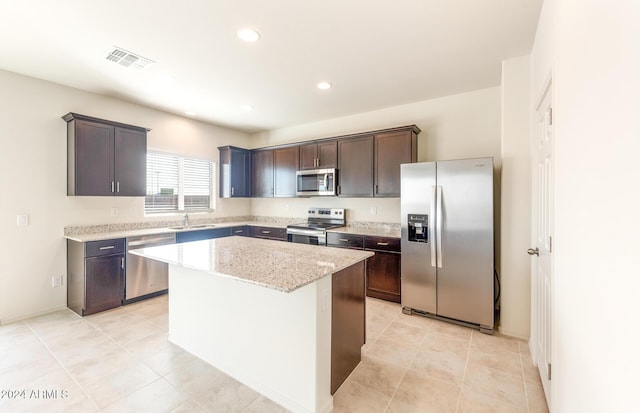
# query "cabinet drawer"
(382, 243)
(268, 232)
(338, 239)
(242, 231)
(104, 247)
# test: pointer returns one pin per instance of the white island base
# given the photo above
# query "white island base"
(277, 343)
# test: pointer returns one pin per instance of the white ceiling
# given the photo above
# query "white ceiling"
(377, 54)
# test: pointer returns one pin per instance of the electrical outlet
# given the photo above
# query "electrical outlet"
(56, 281)
(114, 211)
(374, 210)
(22, 220)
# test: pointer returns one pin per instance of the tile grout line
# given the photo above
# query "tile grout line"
(406, 370)
(82, 389)
(464, 371)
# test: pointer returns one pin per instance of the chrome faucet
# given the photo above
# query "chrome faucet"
(186, 220)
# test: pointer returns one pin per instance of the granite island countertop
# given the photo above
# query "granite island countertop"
(272, 264)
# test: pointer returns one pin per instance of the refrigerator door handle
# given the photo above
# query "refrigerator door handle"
(432, 225)
(439, 225)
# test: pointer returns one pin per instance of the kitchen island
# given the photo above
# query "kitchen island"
(285, 319)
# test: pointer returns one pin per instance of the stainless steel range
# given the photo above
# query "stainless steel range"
(314, 230)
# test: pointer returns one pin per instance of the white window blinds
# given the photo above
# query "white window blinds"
(176, 183)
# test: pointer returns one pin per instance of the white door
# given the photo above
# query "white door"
(542, 234)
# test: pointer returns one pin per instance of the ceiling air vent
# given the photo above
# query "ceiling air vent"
(128, 59)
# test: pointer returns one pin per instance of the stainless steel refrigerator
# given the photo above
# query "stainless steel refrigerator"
(447, 240)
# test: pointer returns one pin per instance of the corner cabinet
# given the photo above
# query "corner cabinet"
(235, 172)
(105, 158)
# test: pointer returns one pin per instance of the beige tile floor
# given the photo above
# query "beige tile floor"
(120, 361)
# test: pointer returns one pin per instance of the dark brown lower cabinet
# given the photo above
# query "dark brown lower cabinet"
(383, 269)
(383, 276)
(347, 322)
(105, 283)
(95, 275)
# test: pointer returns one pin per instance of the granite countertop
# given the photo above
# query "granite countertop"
(273, 264)
(374, 232)
(99, 236)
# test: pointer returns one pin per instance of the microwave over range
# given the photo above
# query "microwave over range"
(316, 182)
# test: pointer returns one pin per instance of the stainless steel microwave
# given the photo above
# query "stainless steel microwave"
(316, 182)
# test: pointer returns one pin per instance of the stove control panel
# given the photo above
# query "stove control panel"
(326, 213)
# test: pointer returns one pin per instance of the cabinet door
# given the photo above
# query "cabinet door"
(104, 283)
(240, 173)
(262, 174)
(235, 172)
(91, 145)
(308, 156)
(383, 276)
(355, 174)
(328, 155)
(391, 150)
(130, 162)
(285, 164)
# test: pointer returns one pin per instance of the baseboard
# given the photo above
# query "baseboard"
(512, 334)
(5, 321)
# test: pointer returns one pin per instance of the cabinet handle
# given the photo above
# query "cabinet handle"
(231, 191)
(376, 188)
(118, 186)
(110, 247)
(344, 240)
(266, 232)
(122, 263)
(239, 231)
(384, 244)
(112, 186)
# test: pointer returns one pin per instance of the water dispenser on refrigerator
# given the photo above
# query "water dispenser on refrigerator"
(418, 226)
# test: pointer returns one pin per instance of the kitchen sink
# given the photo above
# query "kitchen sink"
(193, 226)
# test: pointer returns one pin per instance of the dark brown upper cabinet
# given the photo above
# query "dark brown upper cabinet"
(235, 172)
(390, 150)
(285, 165)
(355, 167)
(105, 158)
(319, 155)
(262, 173)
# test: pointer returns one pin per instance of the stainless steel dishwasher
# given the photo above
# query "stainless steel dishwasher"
(146, 278)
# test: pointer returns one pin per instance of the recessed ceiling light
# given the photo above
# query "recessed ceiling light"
(248, 35)
(247, 107)
(324, 85)
(190, 113)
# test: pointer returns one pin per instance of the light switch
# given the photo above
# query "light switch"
(22, 220)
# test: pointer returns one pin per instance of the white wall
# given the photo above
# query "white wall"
(516, 198)
(458, 126)
(591, 47)
(33, 179)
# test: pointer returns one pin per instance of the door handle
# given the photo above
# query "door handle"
(432, 226)
(439, 227)
(532, 251)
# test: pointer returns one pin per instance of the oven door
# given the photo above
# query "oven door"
(304, 236)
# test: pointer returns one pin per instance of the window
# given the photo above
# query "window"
(176, 183)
